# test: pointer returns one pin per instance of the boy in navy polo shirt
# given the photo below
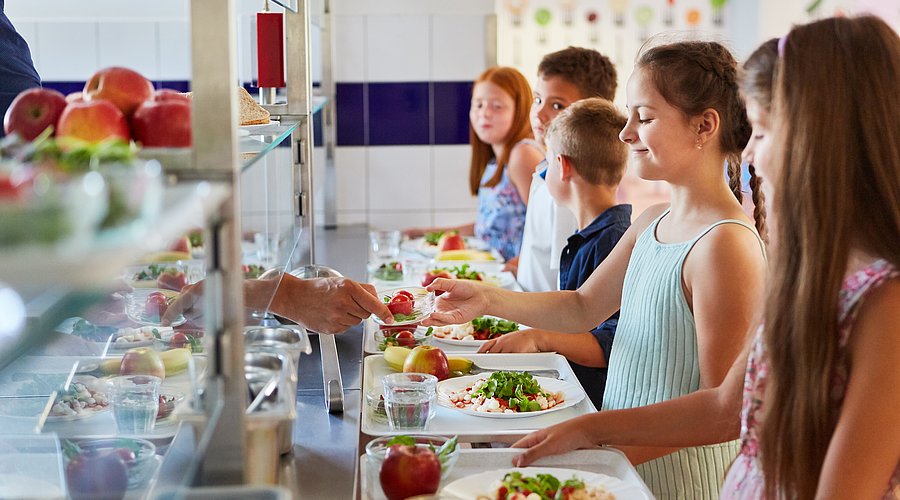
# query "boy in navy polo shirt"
(586, 161)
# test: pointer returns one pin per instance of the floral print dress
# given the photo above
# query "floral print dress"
(501, 212)
(745, 478)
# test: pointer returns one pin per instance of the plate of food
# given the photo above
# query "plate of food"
(85, 397)
(403, 336)
(475, 332)
(389, 271)
(507, 394)
(127, 337)
(146, 306)
(408, 305)
(556, 483)
(434, 242)
(167, 275)
(465, 271)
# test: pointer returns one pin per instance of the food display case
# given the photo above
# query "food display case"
(79, 299)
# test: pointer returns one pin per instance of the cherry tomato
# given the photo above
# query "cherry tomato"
(400, 304)
(179, 340)
(406, 294)
(156, 305)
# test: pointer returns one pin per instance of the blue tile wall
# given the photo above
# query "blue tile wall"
(450, 117)
(70, 87)
(415, 113)
(399, 114)
(350, 114)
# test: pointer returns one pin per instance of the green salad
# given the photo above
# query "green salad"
(546, 486)
(518, 388)
(434, 237)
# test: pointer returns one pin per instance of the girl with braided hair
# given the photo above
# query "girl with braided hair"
(688, 276)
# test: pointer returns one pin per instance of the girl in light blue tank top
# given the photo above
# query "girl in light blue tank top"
(656, 358)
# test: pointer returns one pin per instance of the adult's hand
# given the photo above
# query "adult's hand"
(188, 303)
(527, 340)
(560, 438)
(328, 305)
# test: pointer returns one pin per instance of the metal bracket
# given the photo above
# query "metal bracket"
(331, 374)
(301, 205)
(299, 159)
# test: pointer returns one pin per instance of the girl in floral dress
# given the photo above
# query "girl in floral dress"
(504, 155)
(820, 414)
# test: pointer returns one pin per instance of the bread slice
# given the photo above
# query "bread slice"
(251, 113)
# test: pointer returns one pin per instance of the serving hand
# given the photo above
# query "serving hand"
(521, 341)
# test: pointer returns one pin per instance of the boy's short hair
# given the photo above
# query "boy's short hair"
(587, 133)
(592, 72)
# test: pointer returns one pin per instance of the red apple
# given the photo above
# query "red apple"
(32, 111)
(93, 121)
(408, 471)
(124, 87)
(142, 361)
(451, 240)
(171, 279)
(427, 359)
(164, 121)
(182, 244)
(434, 274)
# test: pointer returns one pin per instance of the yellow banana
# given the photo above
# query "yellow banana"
(167, 256)
(110, 366)
(457, 364)
(175, 360)
(395, 356)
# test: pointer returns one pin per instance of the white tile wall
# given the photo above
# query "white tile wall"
(129, 44)
(397, 48)
(67, 50)
(350, 217)
(382, 7)
(399, 220)
(352, 180)
(457, 49)
(174, 50)
(450, 178)
(349, 48)
(28, 30)
(444, 219)
(399, 177)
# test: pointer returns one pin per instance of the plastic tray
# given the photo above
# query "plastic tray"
(607, 461)
(473, 428)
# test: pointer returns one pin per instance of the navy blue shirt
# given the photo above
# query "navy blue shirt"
(17, 71)
(585, 250)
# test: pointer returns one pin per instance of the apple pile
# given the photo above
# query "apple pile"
(116, 103)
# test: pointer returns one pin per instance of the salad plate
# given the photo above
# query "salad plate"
(485, 484)
(480, 329)
(409, 305)
(572, 394)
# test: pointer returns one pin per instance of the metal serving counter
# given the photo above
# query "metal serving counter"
(325, 457)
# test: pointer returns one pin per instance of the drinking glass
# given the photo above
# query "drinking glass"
(135, 402)
(409, 400)
(385, 245)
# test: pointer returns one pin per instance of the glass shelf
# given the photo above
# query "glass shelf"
(257, 141)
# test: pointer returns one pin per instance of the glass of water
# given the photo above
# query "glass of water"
(135, 402)
(409, 400)
(385, 245)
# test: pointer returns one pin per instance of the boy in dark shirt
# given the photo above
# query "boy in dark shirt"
(586, 161)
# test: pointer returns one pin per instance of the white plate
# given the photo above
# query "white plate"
(419, 245)
(423, 304)
(573, 394)
(468, 343)
(480, 485)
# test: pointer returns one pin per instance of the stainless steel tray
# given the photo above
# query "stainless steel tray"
(605, 460)
(473, 428)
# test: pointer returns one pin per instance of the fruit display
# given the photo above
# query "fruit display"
(174, 361)
(32, 111)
